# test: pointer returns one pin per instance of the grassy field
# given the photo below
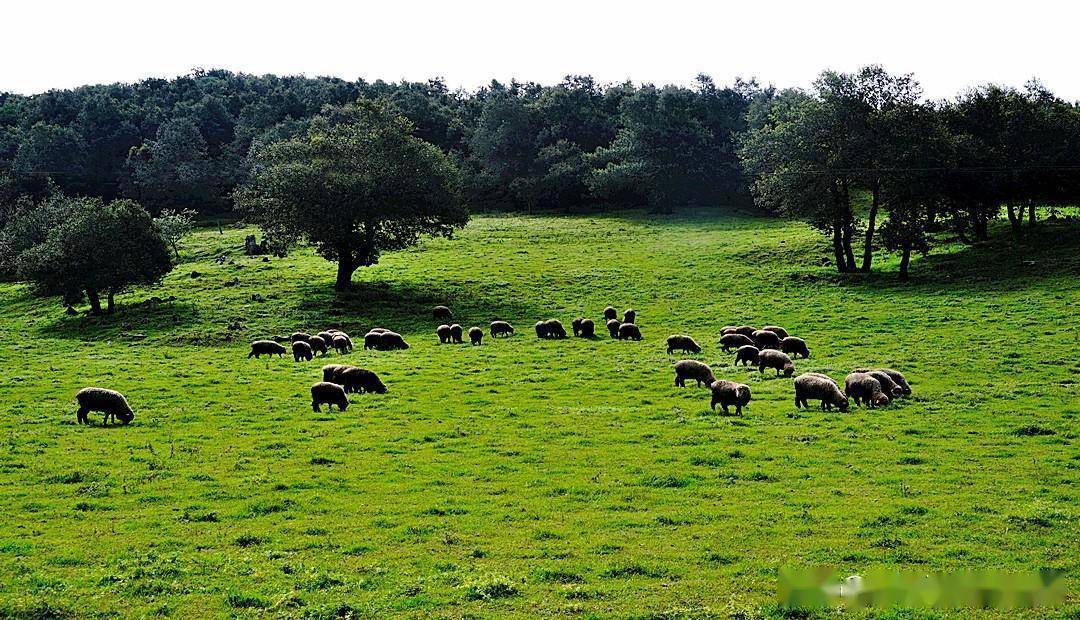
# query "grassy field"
(530, 478)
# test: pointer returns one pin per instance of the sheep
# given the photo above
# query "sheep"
(629, 331)
(441, 313)
(817, 386)
(629, 316)
(794, 346)
(476, 336)
(779, 331)
(361, 380)
(766, 339)
(443, 331)
(891, 389)
(110, 402)
(378, 330)
(299, 337)
(862, 388)
(341, 344)
(326, 336)
(747, 354)
(391, 341)
(541, 329)
(455, 333)
(318, 345)
(677, 342)
(330, 371)
(734, 341)
(501, 328)
(301, 350)
(746, 330)
(610, 313)
(266, 347)
(587, 329)
(727, 393)
(771, 358)
(555, 329)
(897, 377)
(693, 369)
(613, 327)
(576, 325)
(728, 329)
(329, 394)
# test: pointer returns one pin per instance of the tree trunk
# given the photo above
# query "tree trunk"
(849, 254)
(345, 269)
(110, 305)
(1031, 215)
(871, 221)
(94, 299)
(838, 248)
(905, 261)
(1013, 219)
(979, 226)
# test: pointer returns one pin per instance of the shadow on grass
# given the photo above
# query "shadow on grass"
(129, 323)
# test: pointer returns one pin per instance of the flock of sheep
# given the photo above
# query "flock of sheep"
(769, 347)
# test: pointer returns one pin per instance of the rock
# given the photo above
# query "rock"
(253, 247)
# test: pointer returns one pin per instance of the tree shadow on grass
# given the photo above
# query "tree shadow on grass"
(129, 323)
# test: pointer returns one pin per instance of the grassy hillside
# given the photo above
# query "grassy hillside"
(529, 478)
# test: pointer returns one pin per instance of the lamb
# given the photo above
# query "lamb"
(817, 386)
(318, 345)
(629, 331)
(765, 339)
(443, 331)
(329, 394)
(361, 380)
(330, 371)
(746, 330)
(613, 327)
(441, 313)
(727, 393)
(301, 350)
(326, 336)
(864, 389)
(779, 331)
(794, 346)
(897, 377)
(476, 336)
(342, 344)
(266, 347)
(891, 389)
(629, 316)
(541, 329)
(610, 313)
(455, 333)
(587, 329)
(110, 402)
(747, 354)
(576, 325)
(771, 358)
(734, 341)
(677, 342)
(693, 369)
(299, 337)
(391, 341)
(501, 328)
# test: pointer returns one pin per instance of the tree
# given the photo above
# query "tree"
(174, 226)
(356, 184)
(73, 246)
(174, 168)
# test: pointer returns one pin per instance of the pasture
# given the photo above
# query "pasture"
(527, 478)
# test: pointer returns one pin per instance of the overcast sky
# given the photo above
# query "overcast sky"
(949, 45)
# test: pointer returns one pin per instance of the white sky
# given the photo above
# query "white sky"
(948, 44)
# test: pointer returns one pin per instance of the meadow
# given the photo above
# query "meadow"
(528, 478)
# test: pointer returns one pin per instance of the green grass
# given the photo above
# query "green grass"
(529, 478)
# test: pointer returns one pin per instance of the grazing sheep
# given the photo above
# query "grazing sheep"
(779, 331)
(678, 342)
(392, 341)
(727, 393)
(587, 329)
(299, 337)
(110, 402)
(318, 345)
(301, 350)
(766, 339)
(864, 389)
(455, 333)
(501, 328)
(771, 358)
(693, 369)
(327, 337)
(361, 380)
(734, 341)
(378, 330)
(443, 331)
(555, 329)
(610, 313)
(442, 313)
(897, 377)
(341, 344)
(629, 316)
(891, 389)
(613, 327)
(629, 331)
(476, 335)
(728, 329)
(372, 340)
(329, 394)
(576, 325)
(330, 371)
(541, 329)
(816, 386)
(266, 347)
(746, 330)
(794, 346)
(747, 354)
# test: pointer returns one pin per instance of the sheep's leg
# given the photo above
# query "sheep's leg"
(725, 408)
(80, 415)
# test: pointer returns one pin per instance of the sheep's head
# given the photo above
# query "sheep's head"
(881, 399)
(789, 368)
(897, 391)
(126, 416)
(842, 404)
